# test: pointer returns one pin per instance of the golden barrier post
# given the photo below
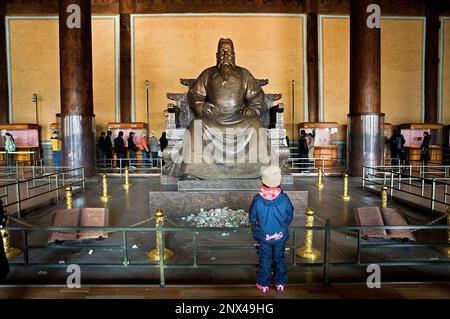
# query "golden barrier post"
(320, 184)
(154, 253)
(105, 195)
(345, 196)
(69, 197)
(308, 252)
(446, 250)
(384, 196)
(127, 177)
(10, 251)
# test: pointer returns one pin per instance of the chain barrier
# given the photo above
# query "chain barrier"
(31, 225)
(390, 236)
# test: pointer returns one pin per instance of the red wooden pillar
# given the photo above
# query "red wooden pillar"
(126, 8)
(365, 121)
(431, 65)
(77, 112)
(312, 60)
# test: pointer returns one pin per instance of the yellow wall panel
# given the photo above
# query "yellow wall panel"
(336, 69)
(103, 64)
(35, 69)
(446, 73)
(170, 48)
(401, 69)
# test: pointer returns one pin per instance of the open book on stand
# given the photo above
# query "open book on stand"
(83, 217)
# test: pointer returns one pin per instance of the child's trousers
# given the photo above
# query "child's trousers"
(271, 255)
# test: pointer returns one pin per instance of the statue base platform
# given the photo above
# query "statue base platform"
(191, 202)
(227, 184)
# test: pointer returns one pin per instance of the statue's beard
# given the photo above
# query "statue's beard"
(225, 69)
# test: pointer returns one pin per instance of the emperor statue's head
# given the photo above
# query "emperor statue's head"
(225, 57)
(225, 53)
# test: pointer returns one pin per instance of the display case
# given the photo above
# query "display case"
(413, 133)
(26, 139)
(325, 141)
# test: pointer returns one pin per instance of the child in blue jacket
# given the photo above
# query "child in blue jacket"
(271, 212)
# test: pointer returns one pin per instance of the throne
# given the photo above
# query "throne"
(180, 117)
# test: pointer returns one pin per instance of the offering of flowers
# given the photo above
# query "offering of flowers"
(219, 217)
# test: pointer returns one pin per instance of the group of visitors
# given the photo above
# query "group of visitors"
(306, 150)
(126, 153)
(398, 152)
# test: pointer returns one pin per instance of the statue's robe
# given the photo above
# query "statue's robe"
(228, 138)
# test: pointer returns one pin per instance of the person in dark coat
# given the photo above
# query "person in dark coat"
(4, 265)
(271, 213)
(109, 147)
(132, 148)
(303, 151)
(120, 150)
(425, 149)
(163, 141)
(101, 147)
(396, 144)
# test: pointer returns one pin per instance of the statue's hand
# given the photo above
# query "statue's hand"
(199, 109)
(250, 112)
(209, 109)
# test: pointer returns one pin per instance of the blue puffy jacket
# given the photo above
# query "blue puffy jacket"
(270, 219)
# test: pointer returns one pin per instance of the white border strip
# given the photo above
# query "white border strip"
(441, 67)
(321, 78)
(424, 39)
(54, 17)
(167, 15)
(305, 72)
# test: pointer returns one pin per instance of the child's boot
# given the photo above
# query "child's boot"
(280, 288)
(263, 289)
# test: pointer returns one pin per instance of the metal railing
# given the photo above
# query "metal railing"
(325, 262)
(425, 182)
(20, 169)
(34, 156)
(308, 166)
(43, 183)
(135, 165)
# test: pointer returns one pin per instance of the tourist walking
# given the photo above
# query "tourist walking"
(143, 146)
(425, 149)
(121, 152)
(10, 148)
(310, 141)
(154, 148)
(101, 147)
(132, 148)
(271, 212)
(396, 145)
(109, 148)
(56, 148)
(303, 151)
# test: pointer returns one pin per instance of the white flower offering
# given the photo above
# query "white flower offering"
(219, 217)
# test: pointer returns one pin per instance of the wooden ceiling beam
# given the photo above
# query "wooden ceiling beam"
(388, 7)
